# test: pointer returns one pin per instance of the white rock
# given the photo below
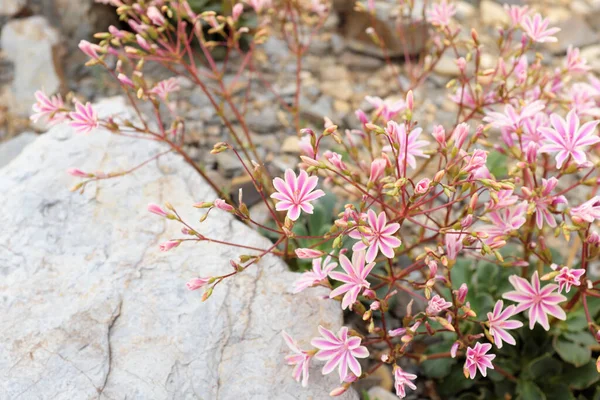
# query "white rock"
(90, 309)
(13, 147)
(8, 8)
(379, 393)
(493, 13)
(29, 43)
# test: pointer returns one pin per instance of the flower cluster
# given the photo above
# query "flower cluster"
(508, 184)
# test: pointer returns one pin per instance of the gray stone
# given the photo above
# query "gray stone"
(264, 121)
(575, 32)
(9, 8)
(90, 309)
(13, 147)
(31, 45)
(401, 36)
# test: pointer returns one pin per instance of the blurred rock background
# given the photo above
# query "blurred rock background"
(38, 41)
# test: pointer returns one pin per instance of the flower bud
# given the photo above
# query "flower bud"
(440, 135)
(197, 283)
(169, 245)
(308, 253)
(422, 186)
(462, 293)
(409, 101)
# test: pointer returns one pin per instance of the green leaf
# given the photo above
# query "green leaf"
(438, 368)
(582, 377)
(544, 366)
(558, 391)
(496, 163)
(527, 390)
(573, 353)
(583, 338)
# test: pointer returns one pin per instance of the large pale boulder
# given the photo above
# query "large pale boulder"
(90, 309)
(31, 44)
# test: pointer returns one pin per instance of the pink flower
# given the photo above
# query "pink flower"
(568, 138)
(505, 199)
(379, 235)
(171, 244)
(222, 205)
(512, 120)
(295, 194)
(84, 119)
(567, 277)
(300, 359)
(237, 11)
(78, 173)
(355, 278)
(387, 109)
(197, 283)
(306, 146)
(499, 323)
(408, 147)
(574, 63)
(544, 200)
(436, 305)
(460, 134)
(158, 210)
(588, 211)
(516, 13)
(259, 5)
(422, 186)
(317, 275)
(308, 253)
(163, 88)
(155, 16)
(396, 332)
(342, 351)
(539, 301)
(476, 163)
(49, 108)
(377, 169)
(478, 359)
(440, 13)
(439, 134)
(401, 379)
(506, 221)
(91, 50)
(335, 159)
(453, 240)
(537, 29)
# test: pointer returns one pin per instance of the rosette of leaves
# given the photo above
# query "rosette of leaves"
(554, 365)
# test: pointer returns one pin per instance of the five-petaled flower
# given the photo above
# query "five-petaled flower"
(320, 270)
(379, 235)
(355, 278)
(341, 350)
(401, 379)
(499, 323)
(84, 119)
(300, 359)
(539, 301)
(296, 193)
(477, 358)
(567, 138)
